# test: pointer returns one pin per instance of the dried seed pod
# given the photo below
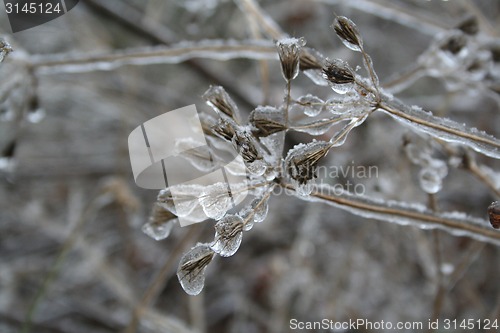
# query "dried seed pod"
(224, 130)
(191, 270)
(246, 146)
(455, 43)
(289, 50)
(160, 223)
(338, 72)
(494, 214)
(267, 120)
(348, 33)
(220, 101)
(302, 160)
(469, 25)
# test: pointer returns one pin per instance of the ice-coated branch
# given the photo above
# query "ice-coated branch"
(455, 223)
(441, 128)
(211, 49)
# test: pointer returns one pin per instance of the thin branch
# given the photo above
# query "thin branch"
(212, 49)
(404, 213)
(267, 24)
(442, 128)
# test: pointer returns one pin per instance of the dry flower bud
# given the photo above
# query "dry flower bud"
(348, 33)
(220, 101)
(160, 223)
(289, 50)
(338, 72)
(267, 120)
(454, 44)
(469, 25)
(494, 214)
(302, 160)
(224, 130)
(245, 145)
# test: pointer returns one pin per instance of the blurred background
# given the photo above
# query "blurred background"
(73, 257)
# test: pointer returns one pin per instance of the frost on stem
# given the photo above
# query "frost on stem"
(191, 270)
(160, 223)
(494, 214)
(289, 53)
(301, 162)
(348, 33)
(220, 101)
(228, 235)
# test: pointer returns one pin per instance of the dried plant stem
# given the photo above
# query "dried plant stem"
(394, 211)
(437, 304)
(156, 32)
(461, 268)
(371, 72)
(263, 64)
(288, 98)
(212, 49)
(158, 282)
(267, 24)
(476, 171)
(391, 12)
(403, 79)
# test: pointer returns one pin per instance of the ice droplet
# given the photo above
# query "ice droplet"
(35, 116)
(311, 104)
(158, 231)
(228, 235)
(191, 270)
(215, 200)
(7, 164)
(257, 167)
(304, 189)
(260, 208)
(430, 180)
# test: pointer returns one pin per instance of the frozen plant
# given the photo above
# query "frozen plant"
(260, 143)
